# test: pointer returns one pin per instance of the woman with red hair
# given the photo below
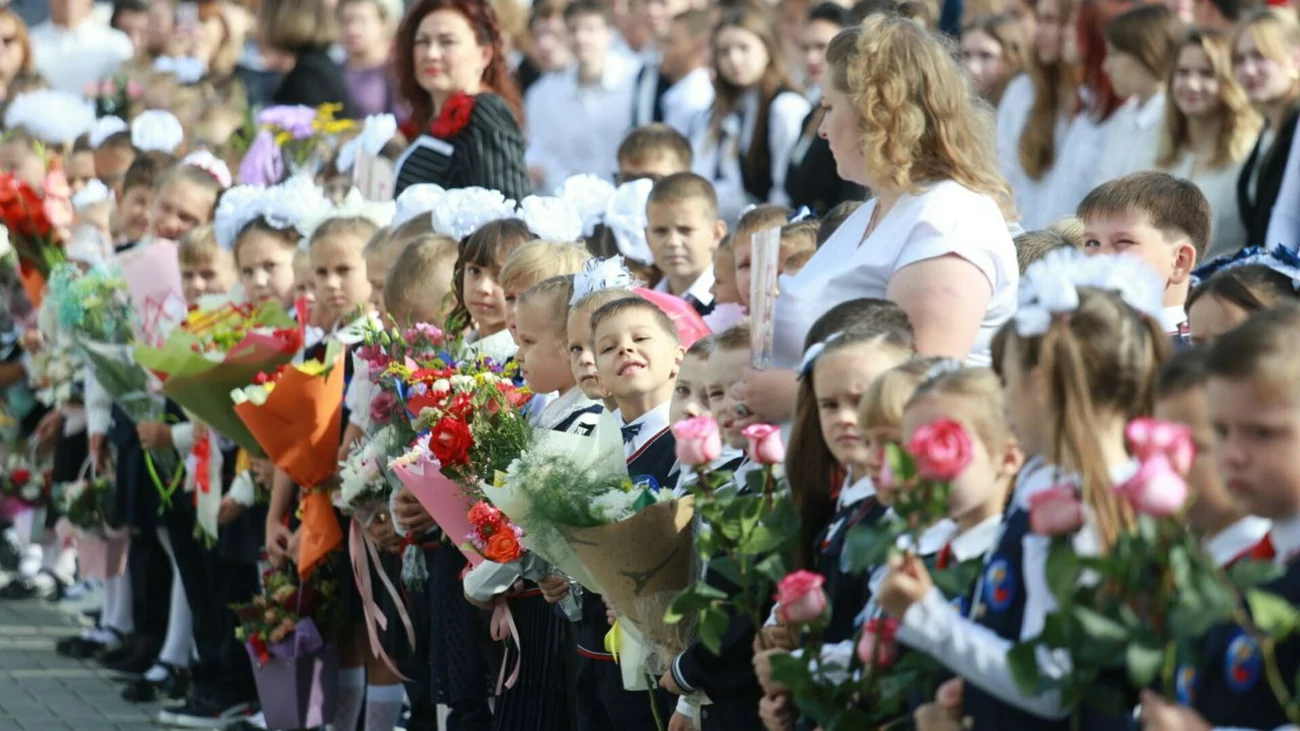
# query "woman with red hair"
(451, 71)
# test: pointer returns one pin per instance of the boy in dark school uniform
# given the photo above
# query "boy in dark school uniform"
(637, 357)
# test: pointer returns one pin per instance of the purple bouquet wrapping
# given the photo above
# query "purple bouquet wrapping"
(297, 679)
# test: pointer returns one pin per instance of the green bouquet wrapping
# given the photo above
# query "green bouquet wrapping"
(219, 350)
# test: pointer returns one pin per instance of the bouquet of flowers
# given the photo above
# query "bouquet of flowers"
(292, 139)
(295, 413)
(393, 356)
(20, 480)
(87, 507)
(55, 374)
(289, 633)
(33, 220)
(363, 475)
(219, 348)
(113, 96)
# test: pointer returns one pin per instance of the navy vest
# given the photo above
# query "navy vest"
(1230, 688)
(998, 603)
(847, 592)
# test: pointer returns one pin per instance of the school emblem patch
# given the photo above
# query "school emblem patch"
(646, 482)
(1242, 663)
(999, 584)
(1185, 685)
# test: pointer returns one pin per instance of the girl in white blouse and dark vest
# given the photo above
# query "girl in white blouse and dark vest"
(757, 115)
(1208, 129)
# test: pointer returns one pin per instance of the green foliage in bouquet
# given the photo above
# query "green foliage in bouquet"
(286, 600)
(748, 543)
(88, 503)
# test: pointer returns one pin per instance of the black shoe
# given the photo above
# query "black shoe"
(133, 665)
(115, 653)
(20, 589)
(174, 686)
(81, 648)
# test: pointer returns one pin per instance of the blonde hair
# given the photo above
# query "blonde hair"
(761, 218)
(539, 260)
(554, 294)
(919, 120)
(351, 227)
(885, 399)
(983, 389)
(1275, 31)
(798, 242)
(1071, 227)
(199, 246)
(1239, 122)
(414, 276)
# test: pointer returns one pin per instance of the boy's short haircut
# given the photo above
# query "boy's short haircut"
(835, 218)
(633, 304)
(655, 140)
(537, 261)
(865, 312)
(1184, 371)
(761, 218)
(414, 229)
(585, 8)
(798, 240)
(1264, 349)
(147, 170)
(680, 187)
(733, 338)
(117, 141)
(545, 10)
(1071, 227)
(555, 292)
(695, 21)
(703, 348)
(1175, 206)
(1034, 245)
(199, 246)
(414, 270)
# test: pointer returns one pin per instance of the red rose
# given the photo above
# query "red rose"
(483, 514)
(455, 115)
(21, 476)
(450, 441)
(461, 405)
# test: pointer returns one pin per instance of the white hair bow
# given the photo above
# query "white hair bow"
(626, 220)
(210, 164)
(588, 194)
(54, 117)
(552, 219)
(1050, 287)
(95, 192)
(378, 130)
(598, 274)
(463, 211)
(416, 200)
(156, 130)
(186, 69)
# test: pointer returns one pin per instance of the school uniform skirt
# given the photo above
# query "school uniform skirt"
(539, 700)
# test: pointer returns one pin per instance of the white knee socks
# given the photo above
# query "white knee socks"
(180, 623)
(352, 693)
(117, 604)
(383, 706)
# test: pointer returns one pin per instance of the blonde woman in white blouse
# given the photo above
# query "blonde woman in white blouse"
(1208, 130)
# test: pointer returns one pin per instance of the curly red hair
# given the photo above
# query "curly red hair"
(487, 29)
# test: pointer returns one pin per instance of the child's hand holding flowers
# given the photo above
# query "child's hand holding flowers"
(906, 583)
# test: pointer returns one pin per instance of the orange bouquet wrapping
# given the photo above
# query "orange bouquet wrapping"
(296, 416)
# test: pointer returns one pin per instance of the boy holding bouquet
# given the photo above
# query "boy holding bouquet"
(638, 355)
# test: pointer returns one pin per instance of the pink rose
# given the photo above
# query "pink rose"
(134, 90)
(1147, 437)
(1055, 511)
(1156, 489)
(885, 653)
(942, 450)
(698, 441)
(765, 446)
(800, 598)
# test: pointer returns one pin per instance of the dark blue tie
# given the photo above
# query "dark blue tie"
(630, 431)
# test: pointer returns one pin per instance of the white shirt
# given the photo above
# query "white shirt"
(558, 409)
(361, 390)
(1286, 539)
(686, 103)
(1132, 136)
(701, 290)
(1220, 188)
(576, 128)
(1172, 319)
(1284, 221)
(948, 218)
(1232, 542)
(717, 158)
(652, 422)
(71, 59)
(1033, 197)
(500, 347)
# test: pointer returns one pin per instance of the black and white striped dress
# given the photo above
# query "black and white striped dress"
(488, 153)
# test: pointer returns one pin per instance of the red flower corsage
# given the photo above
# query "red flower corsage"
(455, 115)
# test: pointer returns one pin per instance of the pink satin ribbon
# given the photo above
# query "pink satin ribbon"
(503, 626)
(360, 544)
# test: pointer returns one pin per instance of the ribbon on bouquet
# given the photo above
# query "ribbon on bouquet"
(204, 464)
(501, 627)
(361, 545)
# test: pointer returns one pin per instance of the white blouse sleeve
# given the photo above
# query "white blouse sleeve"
(361, 391)
(784, 126)
(1012, 114)
(968, 225)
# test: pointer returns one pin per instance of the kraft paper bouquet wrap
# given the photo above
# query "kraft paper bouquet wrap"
(296, 416)
(219, 348)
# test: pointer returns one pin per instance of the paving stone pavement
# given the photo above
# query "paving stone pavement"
(43, 691)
